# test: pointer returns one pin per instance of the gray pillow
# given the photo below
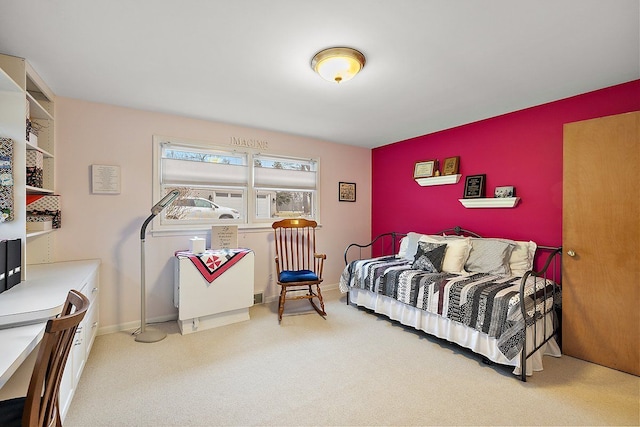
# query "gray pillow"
(489, 256)
(429, 257)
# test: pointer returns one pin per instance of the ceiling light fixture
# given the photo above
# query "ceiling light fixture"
(338, 64)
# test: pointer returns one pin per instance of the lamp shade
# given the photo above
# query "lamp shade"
(338, 64)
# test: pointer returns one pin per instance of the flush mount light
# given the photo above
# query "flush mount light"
(338, 64)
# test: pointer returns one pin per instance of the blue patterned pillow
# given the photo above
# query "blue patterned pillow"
(429, 257)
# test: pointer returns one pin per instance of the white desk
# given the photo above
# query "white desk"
(17, 344)
(38, 298)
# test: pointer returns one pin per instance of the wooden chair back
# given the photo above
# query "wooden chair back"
(296, 245)
(41, 406)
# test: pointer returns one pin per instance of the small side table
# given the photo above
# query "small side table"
(226, 299)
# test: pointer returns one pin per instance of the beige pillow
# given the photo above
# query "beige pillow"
(458, 249)
(521, 259)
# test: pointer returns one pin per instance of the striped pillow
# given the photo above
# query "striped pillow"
(489, 256)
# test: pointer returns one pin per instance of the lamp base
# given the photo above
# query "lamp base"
(151, 335)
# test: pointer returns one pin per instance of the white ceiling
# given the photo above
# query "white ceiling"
(431, 64)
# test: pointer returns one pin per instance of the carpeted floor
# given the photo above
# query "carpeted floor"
(354, 368)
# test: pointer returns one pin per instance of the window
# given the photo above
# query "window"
(223, 186)
(284, 187)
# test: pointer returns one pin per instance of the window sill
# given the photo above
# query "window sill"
(242, 228)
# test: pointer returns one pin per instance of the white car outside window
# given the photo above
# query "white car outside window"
(200, 208)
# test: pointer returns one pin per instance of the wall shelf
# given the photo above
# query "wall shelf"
(504, 202)
(45, 153)
(38, 233)
(37, 190)
(438, 180)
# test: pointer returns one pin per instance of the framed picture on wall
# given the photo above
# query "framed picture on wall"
(505, 191)
(474, 186)
(346, 191)
(451, 165)
(424, 169)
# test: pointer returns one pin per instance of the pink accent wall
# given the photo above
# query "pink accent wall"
(523, 149)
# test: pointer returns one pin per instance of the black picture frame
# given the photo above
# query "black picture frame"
(346, 191)
(474, 186)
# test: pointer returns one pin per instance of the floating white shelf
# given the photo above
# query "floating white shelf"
(498, 202)
(438, 180)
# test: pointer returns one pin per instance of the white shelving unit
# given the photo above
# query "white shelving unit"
(504, 202)
(19, 85)
(438, 180)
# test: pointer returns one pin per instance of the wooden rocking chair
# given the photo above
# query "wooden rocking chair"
(298, 266)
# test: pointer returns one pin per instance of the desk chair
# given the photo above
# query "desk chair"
(298, 266)
(40, 407)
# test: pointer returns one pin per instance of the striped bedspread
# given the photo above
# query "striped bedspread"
(486, 302)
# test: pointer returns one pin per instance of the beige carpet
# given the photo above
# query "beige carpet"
(354, 368)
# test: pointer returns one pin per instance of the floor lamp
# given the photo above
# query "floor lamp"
(150, 335)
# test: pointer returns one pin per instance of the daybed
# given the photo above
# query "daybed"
(465, 289)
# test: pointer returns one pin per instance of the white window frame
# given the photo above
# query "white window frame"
(249, 220)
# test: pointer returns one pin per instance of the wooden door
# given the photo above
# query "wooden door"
(601, 241)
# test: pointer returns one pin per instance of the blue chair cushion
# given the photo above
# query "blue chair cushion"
(297, 276)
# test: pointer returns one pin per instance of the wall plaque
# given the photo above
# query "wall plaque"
(474, 186)
(224, 237)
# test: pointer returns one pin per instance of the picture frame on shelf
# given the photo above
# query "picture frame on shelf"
(474, 186)
(504, 192)
(424, 169)
(451, 165)
(346, 191)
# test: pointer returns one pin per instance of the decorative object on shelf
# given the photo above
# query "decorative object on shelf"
(35, 167)
(28, 129)
(13, 264)
(505, 191)
(6, 179)
(437, 169)
(474, 187)
(424, 169)
(451, 165)
(346, 192)
(150, 335)
(38, 204)
(338, 64)
(39, 223)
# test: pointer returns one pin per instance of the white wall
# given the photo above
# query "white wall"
(108, 226)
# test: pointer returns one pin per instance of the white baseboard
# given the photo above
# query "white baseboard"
(132, 326)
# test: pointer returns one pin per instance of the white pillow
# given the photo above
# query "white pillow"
(402, 250)
(458, 249)
(521, 259)
(411, 245)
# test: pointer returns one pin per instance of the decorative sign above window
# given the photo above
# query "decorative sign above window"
(249, 143)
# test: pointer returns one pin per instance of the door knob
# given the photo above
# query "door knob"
(571, 253)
